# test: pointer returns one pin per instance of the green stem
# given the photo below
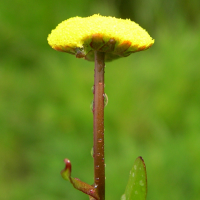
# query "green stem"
(98, 120)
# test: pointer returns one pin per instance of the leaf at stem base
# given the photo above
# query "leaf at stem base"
(78, 184)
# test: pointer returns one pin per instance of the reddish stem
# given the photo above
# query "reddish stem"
(98, 120)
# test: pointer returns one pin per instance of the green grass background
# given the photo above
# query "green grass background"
(153, 109)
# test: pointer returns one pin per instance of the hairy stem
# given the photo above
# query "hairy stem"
(98, 126)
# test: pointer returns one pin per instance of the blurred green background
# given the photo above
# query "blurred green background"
(45, 96)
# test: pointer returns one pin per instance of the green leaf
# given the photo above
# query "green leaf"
(136, 188)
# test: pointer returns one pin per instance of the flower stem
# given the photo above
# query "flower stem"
(98, 126)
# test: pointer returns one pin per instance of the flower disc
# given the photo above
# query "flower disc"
(116, 37)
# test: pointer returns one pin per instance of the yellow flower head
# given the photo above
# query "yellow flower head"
(116, 37)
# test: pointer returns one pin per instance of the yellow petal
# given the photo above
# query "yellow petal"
(116, 37)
